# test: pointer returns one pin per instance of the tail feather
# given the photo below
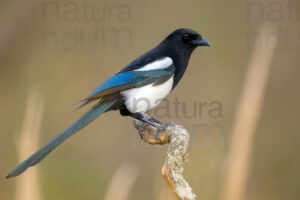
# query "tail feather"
(83, 121)
(81, 105)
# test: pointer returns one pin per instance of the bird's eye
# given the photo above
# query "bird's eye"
(185, 37)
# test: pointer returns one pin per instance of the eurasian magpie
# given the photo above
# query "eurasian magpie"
(137, 88)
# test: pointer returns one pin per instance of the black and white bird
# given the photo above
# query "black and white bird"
(137, 88)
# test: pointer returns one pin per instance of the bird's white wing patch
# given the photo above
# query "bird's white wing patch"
(158, 64)
(147, 97)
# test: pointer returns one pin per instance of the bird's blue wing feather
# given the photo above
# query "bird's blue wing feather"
(127, 80)
(132, 77)
(117, 80)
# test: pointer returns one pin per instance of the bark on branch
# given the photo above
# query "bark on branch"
(172, 170)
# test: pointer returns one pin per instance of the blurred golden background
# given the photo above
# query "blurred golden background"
(54, 52)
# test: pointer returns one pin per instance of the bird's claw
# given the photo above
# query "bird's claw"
(157, 124)
(152, 119)
(141, 127)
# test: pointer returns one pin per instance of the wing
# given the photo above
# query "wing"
(128, 80)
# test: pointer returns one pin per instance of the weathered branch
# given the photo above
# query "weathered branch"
(172, 170)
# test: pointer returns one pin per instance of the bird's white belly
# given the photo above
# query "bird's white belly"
(147, 97)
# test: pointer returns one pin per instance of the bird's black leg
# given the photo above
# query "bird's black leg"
(149, 120)
(153, 119)
(146, 119)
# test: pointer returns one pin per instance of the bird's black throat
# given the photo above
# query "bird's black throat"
(180, 55)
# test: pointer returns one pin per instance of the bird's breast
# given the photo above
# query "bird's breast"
(147, 97)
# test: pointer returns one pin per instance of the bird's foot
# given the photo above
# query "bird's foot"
(147, 120)
(142, 126)
(152, 121)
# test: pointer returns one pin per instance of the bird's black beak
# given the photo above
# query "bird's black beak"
(199, 41)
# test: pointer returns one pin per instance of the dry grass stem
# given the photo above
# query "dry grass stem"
(246, 118)
(122, 182)
(27, 187)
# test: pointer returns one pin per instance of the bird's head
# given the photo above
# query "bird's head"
(187, 39)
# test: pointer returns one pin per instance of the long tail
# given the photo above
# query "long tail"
(84, 120)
